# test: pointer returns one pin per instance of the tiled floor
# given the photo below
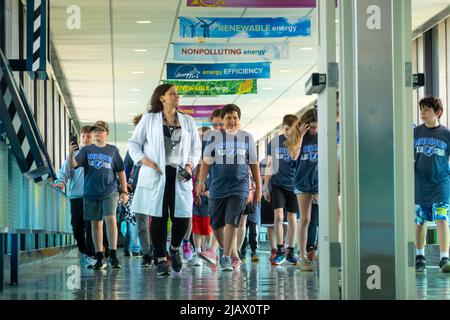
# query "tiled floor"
(63, 280)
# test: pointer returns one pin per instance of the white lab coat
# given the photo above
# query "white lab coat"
(148, 141)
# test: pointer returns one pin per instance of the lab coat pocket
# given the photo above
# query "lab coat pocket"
(148, 178)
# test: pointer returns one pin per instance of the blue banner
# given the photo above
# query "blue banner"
(244, 27)
(218, 71)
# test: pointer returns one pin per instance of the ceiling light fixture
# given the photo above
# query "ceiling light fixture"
(135, 89)
(137, 72)
(306, 48)
(134, 101)
(140, 50)
(267, 88)
(143, 21)
(285, 70)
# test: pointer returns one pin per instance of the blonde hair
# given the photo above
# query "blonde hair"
(308, 116)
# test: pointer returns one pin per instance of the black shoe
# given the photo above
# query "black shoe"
(420, 263)
(114, 262)
(107, 253)
(100, 264)
(175, 259)
(126, 253)
(146, 261)
(136, 254)
(162, 269)
(444, 265)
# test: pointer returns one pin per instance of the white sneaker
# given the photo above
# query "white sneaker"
(89, 262)
(196, 261)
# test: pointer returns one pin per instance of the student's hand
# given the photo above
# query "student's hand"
(267, 195)
(199, 187)
(197, 200)
(124, 198)
(303, 128)
(257, 196)
(206, 194)
(73, 147)
(58, 185)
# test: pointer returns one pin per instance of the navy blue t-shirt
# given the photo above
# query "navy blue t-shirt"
(307, 174)
(231, 155)
(431, 169)
(100, 167)
(282, 172)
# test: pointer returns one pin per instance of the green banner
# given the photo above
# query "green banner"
(213, 88)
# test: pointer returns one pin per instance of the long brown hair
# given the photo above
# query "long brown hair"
(308, 116)
(155, 102)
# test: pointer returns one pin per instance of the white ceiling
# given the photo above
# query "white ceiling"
(99, 60)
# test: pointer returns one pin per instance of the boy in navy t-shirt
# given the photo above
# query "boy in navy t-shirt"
(229, 153)
(432, 184)
(102, 163)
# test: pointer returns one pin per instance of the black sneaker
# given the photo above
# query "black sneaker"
(420, 263)
(126, 253)
(162, 269)
(444, 265)
(136, 254)
(146, 261)
(114, 262)
(175, 259)
(100, 264)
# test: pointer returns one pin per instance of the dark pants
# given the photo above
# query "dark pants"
(253, 237)
(313, 228)
(159, 224)
(81, 228)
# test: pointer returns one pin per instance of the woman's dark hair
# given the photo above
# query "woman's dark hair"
(433, 103)
(230, 108)
(155, 103)
(216, 113)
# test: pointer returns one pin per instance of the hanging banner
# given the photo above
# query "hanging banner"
(214, 88)
(199, 111)
(253, 3)
(244, 27)
(218, 71)
(229, 52)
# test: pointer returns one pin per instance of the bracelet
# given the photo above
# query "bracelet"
(198, 181)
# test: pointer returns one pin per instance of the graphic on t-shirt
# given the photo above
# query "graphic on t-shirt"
(231, 149)
(430, 146)
(98, 161)
(310, 153)
(282, 154)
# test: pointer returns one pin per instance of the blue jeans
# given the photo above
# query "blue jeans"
(131, 239)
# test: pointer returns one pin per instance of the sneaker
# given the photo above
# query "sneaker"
(306, 265)
(89, 262)
(241, 256)
(220, 253)
(196, 261)
(126, 253)
(82, 259)
(279, 260)
(273, 254)
(255, 257)
(292, 259)
(162, 269)
(100, 264)
(421, 263)
(136, 254)
(235, 262)
(225, 264)
(444, 265)
(107, 253)
(209, 255)
(311, 255)
(146, 261)
(175, 259)
(187, 251)
(114, 262)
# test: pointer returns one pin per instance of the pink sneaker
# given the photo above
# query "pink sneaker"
(209, 255)
(235, 262)
(187, 251)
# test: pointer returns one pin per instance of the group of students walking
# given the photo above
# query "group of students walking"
(208, 183)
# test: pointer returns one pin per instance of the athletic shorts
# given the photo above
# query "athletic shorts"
(226, 211)
(202, 210)
(201, 225)
(431, 212)
(267, 214)
(97, 210)
(282, 198)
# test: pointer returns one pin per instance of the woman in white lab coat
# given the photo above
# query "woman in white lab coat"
(165, 142)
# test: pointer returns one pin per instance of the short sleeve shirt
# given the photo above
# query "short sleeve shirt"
(307, 173)
(282, 172)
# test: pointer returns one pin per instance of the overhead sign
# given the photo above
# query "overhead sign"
(214, 88)
(218, 71)
(253, 3)
(201, 27)
(229, 52)
(200, 111)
